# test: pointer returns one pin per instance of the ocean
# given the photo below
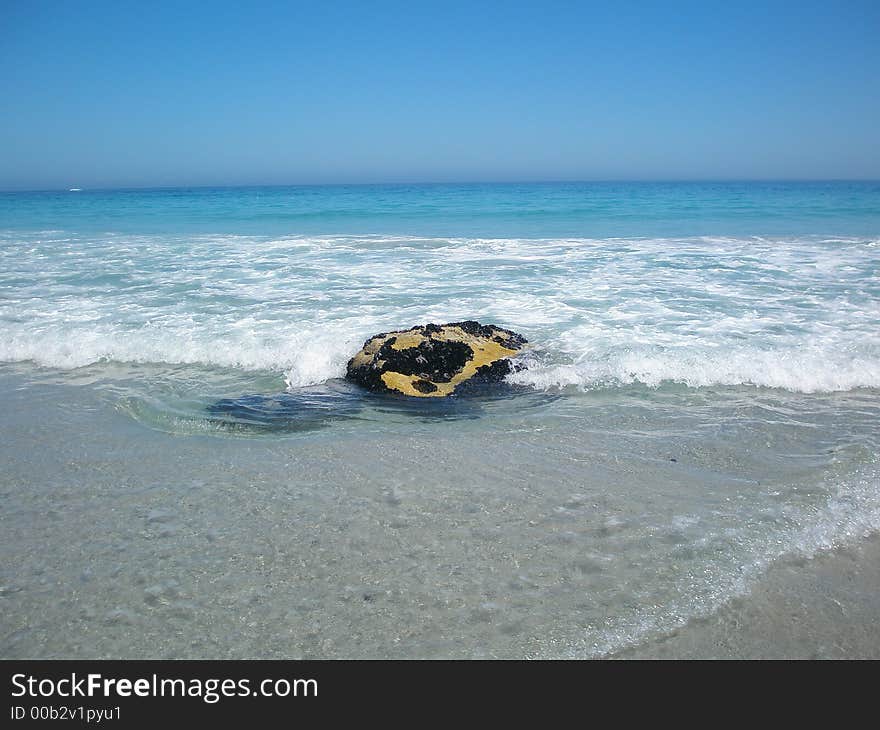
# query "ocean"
(699, 404)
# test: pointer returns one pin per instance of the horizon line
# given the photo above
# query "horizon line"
(426, 183)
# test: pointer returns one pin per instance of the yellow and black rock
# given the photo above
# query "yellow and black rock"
(432, 360)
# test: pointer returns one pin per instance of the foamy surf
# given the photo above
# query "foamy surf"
(810, 370)
(309, 359)
(798, 314)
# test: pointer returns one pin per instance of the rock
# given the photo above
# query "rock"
(433, 360)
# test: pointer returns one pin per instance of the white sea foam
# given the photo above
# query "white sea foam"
(807, 370)
(800, 314)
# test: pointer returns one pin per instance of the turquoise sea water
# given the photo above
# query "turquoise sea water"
(538, 210)
(700, 399)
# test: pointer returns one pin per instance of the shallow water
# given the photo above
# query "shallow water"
(185, 473)
(568, 526)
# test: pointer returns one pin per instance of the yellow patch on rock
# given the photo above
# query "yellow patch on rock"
(406, 340)
(484, 354)
(418, 362)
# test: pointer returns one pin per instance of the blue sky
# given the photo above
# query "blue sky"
(168, 93)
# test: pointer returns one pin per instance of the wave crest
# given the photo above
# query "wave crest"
(802, 371)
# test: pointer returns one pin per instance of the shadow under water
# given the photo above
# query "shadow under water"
(305, 409)
(317, 407)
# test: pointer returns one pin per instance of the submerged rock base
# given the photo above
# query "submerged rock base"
(432, 360)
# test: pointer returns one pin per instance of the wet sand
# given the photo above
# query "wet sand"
(824, 608)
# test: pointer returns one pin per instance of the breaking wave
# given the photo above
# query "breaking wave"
(802, 314)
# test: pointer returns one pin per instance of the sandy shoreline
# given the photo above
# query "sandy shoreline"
(827, 607)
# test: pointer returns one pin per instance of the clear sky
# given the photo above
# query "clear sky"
(157, 93)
